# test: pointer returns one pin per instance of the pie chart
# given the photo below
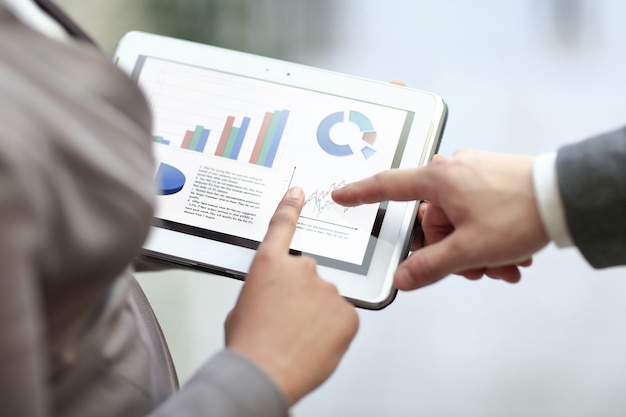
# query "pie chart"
(364, 125)
(169, 179)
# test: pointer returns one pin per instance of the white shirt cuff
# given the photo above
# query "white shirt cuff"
(549, 200)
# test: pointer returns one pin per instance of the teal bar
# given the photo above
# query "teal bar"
(280, 128)
(267, 142)
(195, 139)
(232, 138)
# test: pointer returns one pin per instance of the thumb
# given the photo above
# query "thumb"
(433, 262)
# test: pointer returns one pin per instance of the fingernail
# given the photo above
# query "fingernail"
(295, 193)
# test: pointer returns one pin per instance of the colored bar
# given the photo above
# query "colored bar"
(269, 161)
(187, 139)
(160, 139)
(267, 142)
(234, 132)
(259, 140)
(225, 134)
(193, 145)
(234, 154)
(203, 140)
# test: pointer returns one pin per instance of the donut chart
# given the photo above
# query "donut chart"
(169, 179)
(360, 120)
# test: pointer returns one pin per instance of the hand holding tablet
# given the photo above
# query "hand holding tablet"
(233, 132)
(288, 320)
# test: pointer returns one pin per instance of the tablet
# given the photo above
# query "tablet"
(234, 131)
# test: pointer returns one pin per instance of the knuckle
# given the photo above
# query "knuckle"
(464, 247)
(459, 160)
(309, 266)
(330, 288)
(349, 317)
(379, 178)
(462, 152)
(354, 319)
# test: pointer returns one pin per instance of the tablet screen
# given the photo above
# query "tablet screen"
(228, 147)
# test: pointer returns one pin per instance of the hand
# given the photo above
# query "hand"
(435, 226)
(291, 323)
(481, 215)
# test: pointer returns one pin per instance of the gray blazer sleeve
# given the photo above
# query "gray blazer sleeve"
(229, 385)
(76, 197)
(592, 182)
(70, 220)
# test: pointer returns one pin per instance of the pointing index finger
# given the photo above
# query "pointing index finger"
(284, 221)
(396, 185)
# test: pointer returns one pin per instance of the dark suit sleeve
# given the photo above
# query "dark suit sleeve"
(592, 182)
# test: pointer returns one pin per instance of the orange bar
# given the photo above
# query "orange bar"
(258, 145)
(225, 133)
(187, 140)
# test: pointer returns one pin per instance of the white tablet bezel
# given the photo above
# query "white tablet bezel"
(374, 290)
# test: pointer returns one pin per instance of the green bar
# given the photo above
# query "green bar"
(231, 142)
(193, 145)
(267, 142)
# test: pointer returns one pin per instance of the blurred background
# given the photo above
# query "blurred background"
(522, 76)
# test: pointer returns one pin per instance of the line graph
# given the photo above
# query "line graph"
(320, 201)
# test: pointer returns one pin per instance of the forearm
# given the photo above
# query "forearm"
(228, 385)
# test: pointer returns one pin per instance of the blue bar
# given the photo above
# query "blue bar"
(240, 136)
(277, 137)
(203, 139)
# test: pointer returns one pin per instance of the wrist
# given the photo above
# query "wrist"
(275, 369)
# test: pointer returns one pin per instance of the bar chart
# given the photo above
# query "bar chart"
(217, 114)
(232, 138)
(195, 140)
(233, 135)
